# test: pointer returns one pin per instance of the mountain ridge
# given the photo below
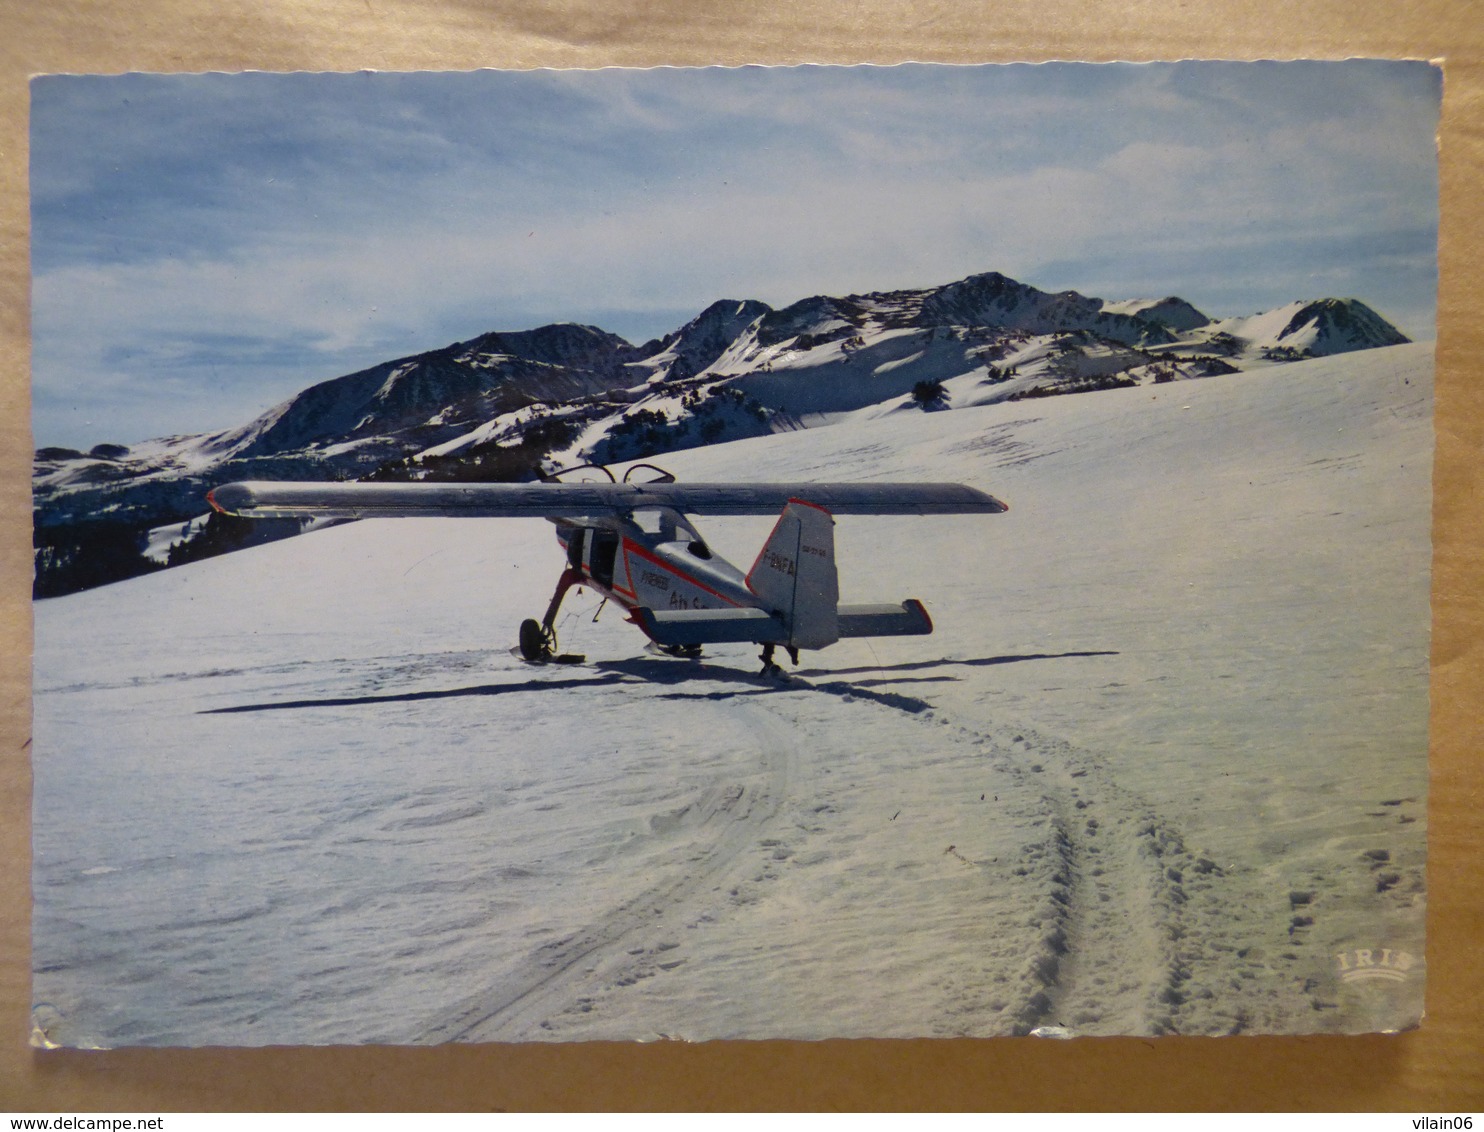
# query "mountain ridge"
(506, 403)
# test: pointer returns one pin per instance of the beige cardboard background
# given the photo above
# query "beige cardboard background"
(1439, 1068)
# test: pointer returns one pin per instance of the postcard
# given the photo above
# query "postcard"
(800, 552)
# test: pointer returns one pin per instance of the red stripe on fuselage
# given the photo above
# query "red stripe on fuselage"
(635, 548)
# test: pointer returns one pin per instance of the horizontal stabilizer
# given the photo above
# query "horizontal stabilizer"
(264, 499)
(710, 626)
(909, 619)
(723, 626)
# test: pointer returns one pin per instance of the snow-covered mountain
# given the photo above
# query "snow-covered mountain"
(695, 346)
(977, 341)
(1170, 312)
(420, 399)
(352, 424)
(514, 403)
(996, 301)
(1299, 330)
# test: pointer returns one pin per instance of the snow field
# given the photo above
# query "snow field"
(1162, 760)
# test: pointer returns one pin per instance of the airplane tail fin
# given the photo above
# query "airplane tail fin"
(794, 575)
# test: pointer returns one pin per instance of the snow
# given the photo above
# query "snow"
(166, 457)
(160, 539)
(1314, 328)
(1172, 312)
(1263, 329)
(1161, 765)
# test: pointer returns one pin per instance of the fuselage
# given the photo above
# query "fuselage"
(670, 568)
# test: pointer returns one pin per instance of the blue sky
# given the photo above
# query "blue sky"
(204, 246)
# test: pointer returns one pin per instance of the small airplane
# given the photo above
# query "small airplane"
(631, 542)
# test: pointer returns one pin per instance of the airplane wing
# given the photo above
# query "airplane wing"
(272, 500)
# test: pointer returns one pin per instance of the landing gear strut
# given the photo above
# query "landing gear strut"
(769, 667)
(538, 638)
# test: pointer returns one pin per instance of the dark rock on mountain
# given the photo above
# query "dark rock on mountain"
(1172, 313)
(996, 300)
(430, 397)
(817, 317)
(701, 341)
(1340, 325)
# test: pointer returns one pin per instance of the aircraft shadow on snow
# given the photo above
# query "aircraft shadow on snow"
(975, 662)
(679, 674)
(669, 673)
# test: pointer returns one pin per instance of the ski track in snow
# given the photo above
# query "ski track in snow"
(730, 814)
(1109, 917)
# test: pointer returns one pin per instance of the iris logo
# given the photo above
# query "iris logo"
(1366, 964)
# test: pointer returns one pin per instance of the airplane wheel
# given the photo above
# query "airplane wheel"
(533, 641)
